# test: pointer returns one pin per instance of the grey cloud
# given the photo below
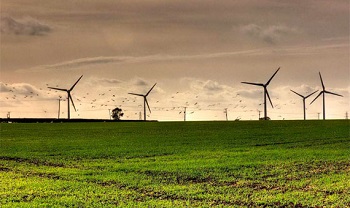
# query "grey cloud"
(208, 86)
(19, 88)
(251, 94)
(269, 34)
(4, 87)
(28, 26)
(102, 81)
(306, 89)
(110, 81)
(212, 86)
(140, 82)
(86, 61)
(103, 60)
(137, 59)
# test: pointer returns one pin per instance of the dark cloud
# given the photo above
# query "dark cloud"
(27, 26)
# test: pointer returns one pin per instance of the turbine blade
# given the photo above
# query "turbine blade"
(321, 81)
(311, 94)
(148, 105)
(150, 89)
(333, 93)
(268, 82)
(71, 99)
(317, 97)
(135, 94)
(297, 93)
(251, 83)
(75, 83)
(268, 96)
(60, 89)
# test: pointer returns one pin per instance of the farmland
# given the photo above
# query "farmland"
(175, 164)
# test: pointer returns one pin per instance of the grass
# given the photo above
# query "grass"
(176, 164)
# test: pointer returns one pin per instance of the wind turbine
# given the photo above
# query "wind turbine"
(266, 93)
(304, 98)
(69, 97)
(144, 101)
(323, 92)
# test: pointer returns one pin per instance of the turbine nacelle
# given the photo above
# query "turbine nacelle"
(304, 98)
(69, 97)
(266, 93)
(323, 92)
(145, 102)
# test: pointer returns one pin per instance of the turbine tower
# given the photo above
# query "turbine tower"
(69, 97)
(323, 92)
(266, 93)
(145, 102)
(304, 98)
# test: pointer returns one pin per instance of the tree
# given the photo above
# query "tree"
(117, 113)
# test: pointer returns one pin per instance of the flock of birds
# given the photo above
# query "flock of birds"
(130, 104)
(103, 100)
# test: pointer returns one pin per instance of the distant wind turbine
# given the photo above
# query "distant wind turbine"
(323, 92)
(69, 98)
(145, 102)
(304, 98)
(266, 93)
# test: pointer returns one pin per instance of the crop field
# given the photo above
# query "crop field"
(176, 164)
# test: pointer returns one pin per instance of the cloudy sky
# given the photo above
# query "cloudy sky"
(197, 51)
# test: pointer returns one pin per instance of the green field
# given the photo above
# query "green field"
(176, 164)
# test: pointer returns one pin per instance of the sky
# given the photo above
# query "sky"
(197, 51)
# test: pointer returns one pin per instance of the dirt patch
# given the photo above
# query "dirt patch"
(32, 161)
(178, 178)
(4, 169)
